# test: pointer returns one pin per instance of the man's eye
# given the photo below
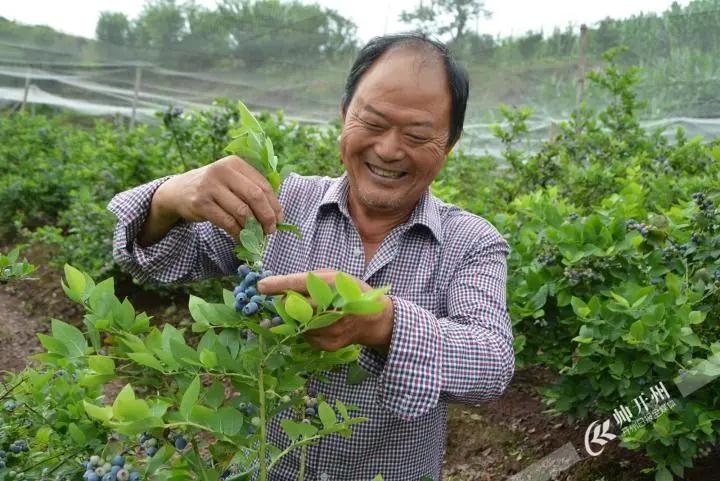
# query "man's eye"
(372, 125)
(416, 138)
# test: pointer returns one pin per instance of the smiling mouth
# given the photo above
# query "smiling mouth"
(387, 174)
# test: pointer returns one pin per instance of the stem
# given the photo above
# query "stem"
(179, 148)
(263, 431)
(303, 454)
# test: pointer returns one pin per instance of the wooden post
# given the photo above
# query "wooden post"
(27, 90)
(581, 73)
(138, 78)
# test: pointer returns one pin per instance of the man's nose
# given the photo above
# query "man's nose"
(389, 146)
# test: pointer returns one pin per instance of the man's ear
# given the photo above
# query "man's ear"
(449, 148)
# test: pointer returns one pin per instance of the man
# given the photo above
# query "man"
(445, 335)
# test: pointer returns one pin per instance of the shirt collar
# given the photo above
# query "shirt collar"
(426, 212)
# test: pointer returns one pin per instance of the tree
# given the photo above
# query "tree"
(113, 28)
(267, 32)
(443, 17)
(207, 39)
(160, 27)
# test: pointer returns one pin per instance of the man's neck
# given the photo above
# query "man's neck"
(374, 225)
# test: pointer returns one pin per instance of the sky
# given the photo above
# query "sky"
(373, 17)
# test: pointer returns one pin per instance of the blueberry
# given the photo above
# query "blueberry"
(257, 298)
(312, 391)
(310, 412)
(239, 304)
(180, 443)
(118, 461)
(243, 270)
(151, 451)
(2, 464)
(238, 291)
(100, 471)
(15, 448)
(109, 477)
(115, 469)
(276, 321)
(122, 475)
(10, 406)
(265, 323)
(250, 308)
(250, 291)
(266, 273)
(3, 454)
(134, 476)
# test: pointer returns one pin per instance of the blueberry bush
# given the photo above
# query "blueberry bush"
(186, 405)
(614, 283)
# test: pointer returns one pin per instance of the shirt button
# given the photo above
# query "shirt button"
(358, 252)
(324, 477)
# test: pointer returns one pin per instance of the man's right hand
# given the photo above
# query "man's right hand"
(224, 193)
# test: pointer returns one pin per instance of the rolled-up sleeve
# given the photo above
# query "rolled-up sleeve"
(190, 251)
(466, 357)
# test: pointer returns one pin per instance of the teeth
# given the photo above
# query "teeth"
(386, 173)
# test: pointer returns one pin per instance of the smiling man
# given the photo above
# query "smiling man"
(444, 336)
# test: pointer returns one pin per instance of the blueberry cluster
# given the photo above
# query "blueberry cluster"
(717, 275)
(706, 205)
(311, 406)
(247, 299)
(19, 446)
(577, 275)
(149, 444)
(3, 457)
(250, 411)
(644, 229)
(573, 217)
(673, 250)
(114, 469)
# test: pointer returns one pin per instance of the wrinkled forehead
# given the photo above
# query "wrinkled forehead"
(406, 76)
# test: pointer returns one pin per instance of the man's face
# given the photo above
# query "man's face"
(395, 130)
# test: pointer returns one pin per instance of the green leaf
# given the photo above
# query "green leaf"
(71, 337)
(637, 330)
(296, 430)
(208, 358)
(215, 395)
(75, 433)
(356, 374)
(363, 307)
(190, 397)
(347, 287)
(298, 308)
(324, 320)
(161, 457)
(326, 415)
(75, 282)
(662, 474)
(127, 408)
(231, 420)
(289, 228)
(103, 413)
(579, 307)
(101, 364)
(320, 291)
(52, 345)
(146, 359)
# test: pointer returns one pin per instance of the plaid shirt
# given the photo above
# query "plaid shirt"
(452, 338)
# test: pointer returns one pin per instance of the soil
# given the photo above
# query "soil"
(489, 442)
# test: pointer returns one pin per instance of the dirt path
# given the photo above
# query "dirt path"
(17, 332)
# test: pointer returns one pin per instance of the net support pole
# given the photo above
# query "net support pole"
(27, 90)
(581, 64)
(581, 68)
(138, 78)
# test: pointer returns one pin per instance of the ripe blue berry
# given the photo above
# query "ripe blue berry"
(257, 298)
(243, 270)
(109, 477)
(151, 451)
(91, 476)
(250, 308)
(276, 321)
(250, 291)
(180, 443)
(134, 476)
(118, 461)
(310, 412)
(239, 304)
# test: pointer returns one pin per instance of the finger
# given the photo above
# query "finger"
(232, 205)
(217, 216)
(279, 284)
(251, 172)
(257, 200)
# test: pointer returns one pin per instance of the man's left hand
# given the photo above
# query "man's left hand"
(372, 330)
